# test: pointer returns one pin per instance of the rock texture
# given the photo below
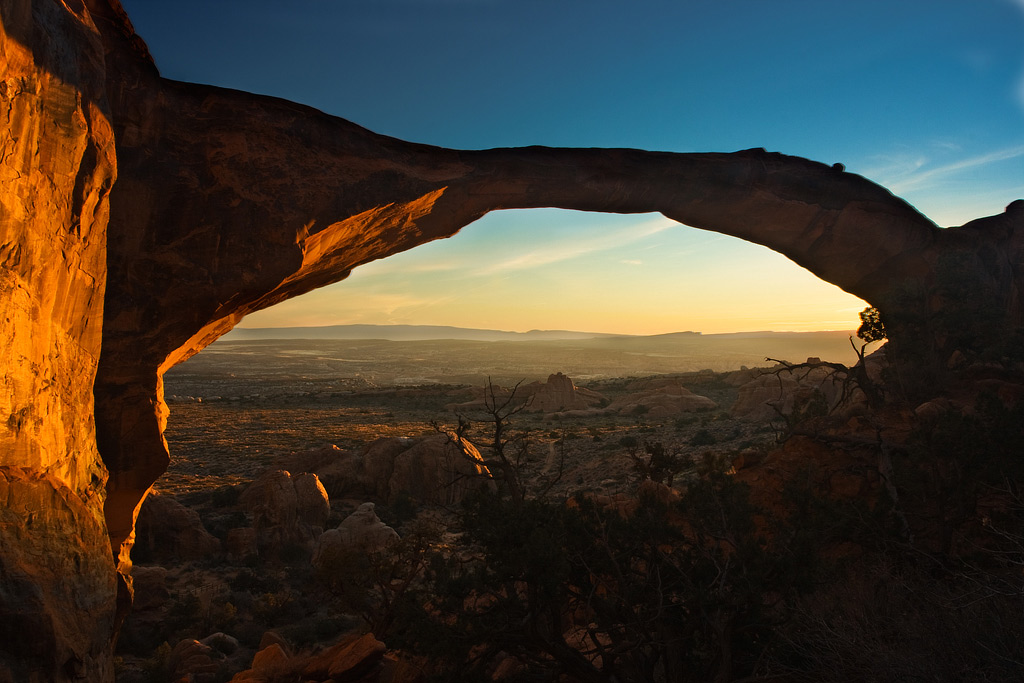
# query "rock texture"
(661, 398)
(780, 391)
(57, 166)
(355, 657)
(435, 469)
(287, 511)
(809, 387)
(167, 530)
(362, 532)
(226, 202)
(560, 394)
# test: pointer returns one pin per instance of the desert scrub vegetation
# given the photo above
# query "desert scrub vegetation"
(653, 587)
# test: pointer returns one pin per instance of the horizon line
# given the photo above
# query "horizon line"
(540, 330)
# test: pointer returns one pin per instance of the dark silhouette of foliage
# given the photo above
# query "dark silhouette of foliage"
(871, 328)
(691, 589)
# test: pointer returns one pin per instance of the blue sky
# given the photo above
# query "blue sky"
(924, 97)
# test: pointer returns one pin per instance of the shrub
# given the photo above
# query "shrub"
(654, 599)
(703, 437)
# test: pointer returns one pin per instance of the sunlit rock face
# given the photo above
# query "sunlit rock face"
(558, 394)
(57, 590)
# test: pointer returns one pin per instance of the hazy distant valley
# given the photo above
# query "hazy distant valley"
(394, 356)
(243, 404)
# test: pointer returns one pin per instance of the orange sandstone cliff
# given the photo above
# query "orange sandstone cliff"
(58, 164)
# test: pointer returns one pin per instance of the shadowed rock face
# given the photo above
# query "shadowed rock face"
(227, 202)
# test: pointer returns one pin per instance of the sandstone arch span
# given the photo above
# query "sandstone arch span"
(227, 202)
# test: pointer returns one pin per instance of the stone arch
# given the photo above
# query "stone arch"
(227, 203)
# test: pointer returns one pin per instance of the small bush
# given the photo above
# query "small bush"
(703, 437)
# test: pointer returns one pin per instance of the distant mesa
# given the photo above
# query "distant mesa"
(403, 333)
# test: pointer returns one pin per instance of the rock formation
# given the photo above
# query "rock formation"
(362, 532)
(355, 657)
(770, 394)
(167, 530)
(437, 469)
(559, 394)
(287, 511)
(661, 398)
(57, 166)
(156, 214)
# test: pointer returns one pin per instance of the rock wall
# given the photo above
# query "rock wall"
(57, 591)
(227, 202)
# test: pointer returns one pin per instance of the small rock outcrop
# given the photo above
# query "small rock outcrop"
(560, 394)
(435, 469)
(352, 658)
(168, 531)
(361, 532)
(193, 660)
(287, 511)
(661, 398)
(781, 390)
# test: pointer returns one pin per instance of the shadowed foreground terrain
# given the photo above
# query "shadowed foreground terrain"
(315, 518)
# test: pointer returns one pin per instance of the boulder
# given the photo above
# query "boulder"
(352, 657)
(287, 511)
(168, 531)
(437, 468)
(271, 638)
(270, 659)
(782, 390)
(361, 532)
(150, 588)
(313, 506)
(560, 394)
(194, 661)
(221, 642)
(340, 471)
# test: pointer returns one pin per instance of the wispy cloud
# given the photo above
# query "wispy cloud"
(918, 179)
(632, 262)
(570, 248)
(402, 264)
(892, 168)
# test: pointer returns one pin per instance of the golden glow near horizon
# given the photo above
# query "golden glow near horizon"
(553, 269)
